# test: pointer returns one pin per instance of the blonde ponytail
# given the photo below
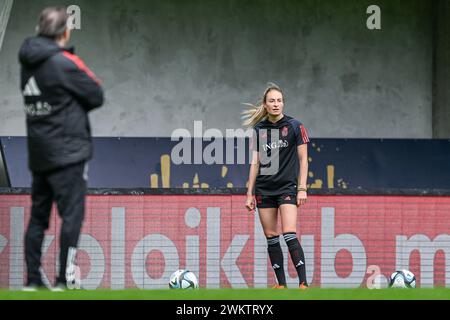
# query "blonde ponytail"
(258, 113)
(254, 115)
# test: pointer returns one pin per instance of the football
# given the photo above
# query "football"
(183, 279)
(402, 279)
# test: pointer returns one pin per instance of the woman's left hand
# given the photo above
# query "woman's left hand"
(302, 196)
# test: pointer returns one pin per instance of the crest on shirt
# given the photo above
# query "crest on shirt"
(285, 131)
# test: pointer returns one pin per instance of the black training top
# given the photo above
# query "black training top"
(277, 146)
(59, 91)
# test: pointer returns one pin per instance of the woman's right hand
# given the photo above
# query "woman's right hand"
(250, 203)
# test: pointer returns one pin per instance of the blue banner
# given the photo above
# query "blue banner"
(333, 164)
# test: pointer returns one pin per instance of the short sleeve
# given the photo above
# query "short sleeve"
(301, 134)
(303, 137)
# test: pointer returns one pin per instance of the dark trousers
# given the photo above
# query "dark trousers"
(67, 187)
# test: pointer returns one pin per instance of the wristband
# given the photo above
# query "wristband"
(302, 189)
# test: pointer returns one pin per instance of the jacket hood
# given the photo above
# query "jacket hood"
(37, 50)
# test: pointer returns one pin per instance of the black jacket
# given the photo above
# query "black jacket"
(59, 91)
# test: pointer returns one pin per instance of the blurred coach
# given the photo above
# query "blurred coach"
(59, 91)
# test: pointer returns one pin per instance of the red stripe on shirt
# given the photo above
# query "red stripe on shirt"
(305, 137)
(80, 64)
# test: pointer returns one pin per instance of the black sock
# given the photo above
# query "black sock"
(276, 259)
(297, 256)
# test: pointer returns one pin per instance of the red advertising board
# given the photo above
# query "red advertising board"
(138, 241)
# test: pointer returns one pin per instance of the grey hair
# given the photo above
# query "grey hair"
(52, 22)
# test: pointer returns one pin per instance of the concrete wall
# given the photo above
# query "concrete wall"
(167, 63)
(441, 101)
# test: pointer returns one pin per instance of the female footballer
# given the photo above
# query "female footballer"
(277, 179)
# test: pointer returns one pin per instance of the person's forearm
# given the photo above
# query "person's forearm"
(303, 175)
(252, 178)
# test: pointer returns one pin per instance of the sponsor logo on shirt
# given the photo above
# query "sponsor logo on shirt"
(38, 107)
(276, 145)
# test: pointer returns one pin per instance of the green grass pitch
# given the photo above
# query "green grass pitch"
(234, 294)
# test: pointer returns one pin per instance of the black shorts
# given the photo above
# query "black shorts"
(266, 202)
